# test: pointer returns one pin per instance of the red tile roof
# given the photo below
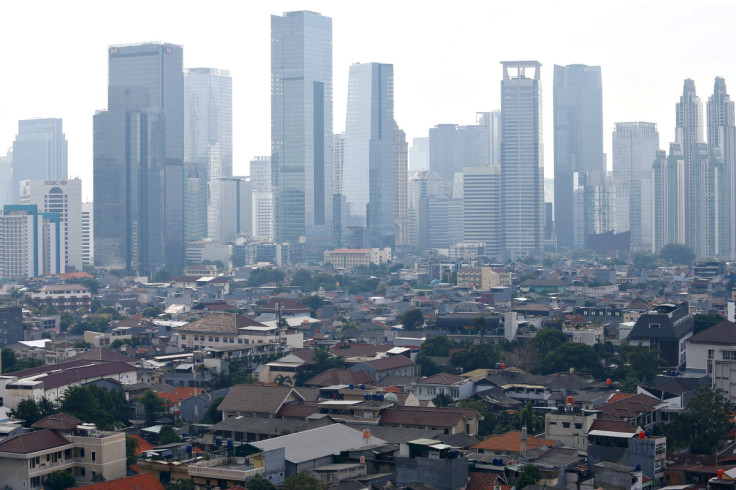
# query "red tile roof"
(32, 442)
(391, 362)
(147, 481)
(511, 442)
(143, 445)
(630, 407)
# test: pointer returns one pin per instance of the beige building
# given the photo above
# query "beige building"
(62, 442)
(483, 278)
(348, 258)
(569, 426)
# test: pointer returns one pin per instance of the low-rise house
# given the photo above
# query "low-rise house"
(456, 387)
(569, 424)
(640, 410)
(448, 420)
(63, 297)
(263, 401)
(509, 444)
(713, 351)
(387, 366)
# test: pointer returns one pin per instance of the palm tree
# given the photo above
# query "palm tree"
(282, 380)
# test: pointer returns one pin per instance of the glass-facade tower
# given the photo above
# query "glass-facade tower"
(368, 172)
(301, 127)
(578, 137)
(158, 68)
(39, 152)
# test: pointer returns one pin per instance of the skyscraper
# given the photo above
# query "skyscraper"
(208, 120)
(578, 135)
(39, 152)
(88, 234)
(368, 172)
(453, 147)
(401, 187)
(63, 197)
(262, 206)
(635, 146)
(31, 242)
(129, 173)
(482, 208)
(722, 141)
(158, 67)
(689, 134)
(419, 154)
(522, 158)
(208, 143)
(301, 128)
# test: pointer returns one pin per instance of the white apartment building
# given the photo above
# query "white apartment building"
(88, 234)
(65, 198)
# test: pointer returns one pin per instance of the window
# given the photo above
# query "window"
(566, 425)
(578, 425)
(729, 355)
(94, 456)
(711, 353)
(183, 337)
(654, 325)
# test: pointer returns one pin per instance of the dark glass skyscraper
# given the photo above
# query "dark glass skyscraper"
(301, 127)
(138, 154)
(578, 135)
(159, 69)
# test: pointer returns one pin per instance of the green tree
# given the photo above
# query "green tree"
(442, 400)
(643, 260)
(437, 346)
(264, 275)
(152, 312)
(153, 406)
(707, 422)
(581, 357)
(82, 403)
(302, 481)
(81, 344)
(529, 475)
(677, 253)
(479, 326)
(644, 363)
(527, 418)
(167, 435)
(60, 480)
(213, 415)
(27, 411)
(412, 319)
(67, 319)
(131, 446)
(547, 340)
(703, 322)
(477, 356)
(282, 380)
(180, 484)
(259, 483)
(313, 301)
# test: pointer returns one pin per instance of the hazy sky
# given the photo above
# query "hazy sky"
(446, 57)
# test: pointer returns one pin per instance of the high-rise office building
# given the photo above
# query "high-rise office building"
(689, 134)
(419, 154)
(453, 147)
(208, 120)
(482, 208)
(129, 182)
(522, 158)
(368, 172)
(233, 217)
(262, 204)
(635, 146)
(301, 128)
(578, 135)
(208, 142)
(63, 197)
(401, 187)
(6, 178)
(88, 234)
(39, 152)
(494, 123)
(668, 174)
(31, 243)
(423, 185)
(158, 67)
(722, 141)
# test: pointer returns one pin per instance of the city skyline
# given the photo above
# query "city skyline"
(635, 88)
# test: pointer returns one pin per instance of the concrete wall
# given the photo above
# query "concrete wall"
(444, 474)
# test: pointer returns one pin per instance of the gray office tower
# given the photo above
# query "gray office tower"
(722, 142)
(522, 159)
(368, 172)
(578, 135)
(158, 67)
(301, 129)
(635, 146)
(453, 147)
(138, 160)
(39, 152)
(208, 143)
(129, 181)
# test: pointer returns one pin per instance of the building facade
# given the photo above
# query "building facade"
(522, 158)
(482, 208)
(578, 138)
(301, 127)
(63, 197)
(39, 152)
(31, 243)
